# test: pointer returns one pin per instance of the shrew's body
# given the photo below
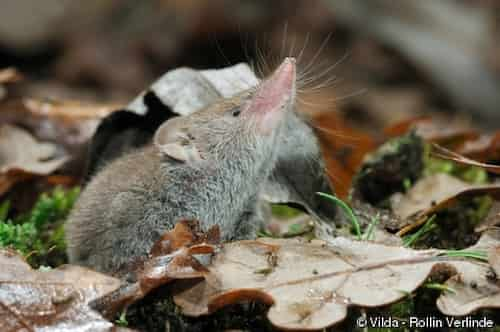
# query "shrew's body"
(209, 166)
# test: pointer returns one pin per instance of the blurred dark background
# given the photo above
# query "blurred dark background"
(394, 59)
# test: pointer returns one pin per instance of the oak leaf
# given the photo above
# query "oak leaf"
(55, 300)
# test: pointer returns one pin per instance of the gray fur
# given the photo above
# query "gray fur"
(135, 199)
(300, 170)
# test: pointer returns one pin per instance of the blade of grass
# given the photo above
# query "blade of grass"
(426, 228)
(371, 227)
(476, 254)
(347, 210)
(441, 287)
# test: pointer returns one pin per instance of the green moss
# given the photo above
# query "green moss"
(284, 212)
(471, 174)
(39, 234)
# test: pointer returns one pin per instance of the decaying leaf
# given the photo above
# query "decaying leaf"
(19, 150)
(330, 277)
(491, 219)
(186, 90)
(68, 110)
(433, 193)
(494, 259)
(486, 147)
(427, 193)
(69, 123)
(343, 149)
(172, 257)
(22, 157)
(55, 300)
(474, 285)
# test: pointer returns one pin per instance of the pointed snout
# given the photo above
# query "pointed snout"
(274, 96)
(284, 77)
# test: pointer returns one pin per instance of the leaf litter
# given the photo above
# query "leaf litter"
(22, 157)
(333, 275)
(56, 299)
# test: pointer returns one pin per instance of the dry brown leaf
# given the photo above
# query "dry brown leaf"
(316, 293)
(492, 219)
(170, 258)
(23, 157)
(69, 109)
(494, 259)
(431, 194)
(55, 300)
(474, 286)
(343, 148)
(19, 150)
(427, 193)
(471, 291)
(486, 147)
(68, 123)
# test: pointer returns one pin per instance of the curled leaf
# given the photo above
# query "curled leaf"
(432, 194)
(474, 285)
(333, 276)
(23, 157)
(172, 257)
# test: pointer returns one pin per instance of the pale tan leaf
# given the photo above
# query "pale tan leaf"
(314, 293)
(426, 193)
(472, 290)
(310, 285)
(492, 219)
(69, 109)
(431, 194)
(494, 259)
(23, 157)
(20, 150)
(55, 300)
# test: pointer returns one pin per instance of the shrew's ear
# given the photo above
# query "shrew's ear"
(172, 140)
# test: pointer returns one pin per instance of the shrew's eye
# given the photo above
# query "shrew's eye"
(236, 111)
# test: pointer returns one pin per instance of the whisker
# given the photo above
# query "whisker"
(328, 70)
(334, 80)
(318, 52)
(299, 56)
(228, 63)
(335, 178)
(283, 42)
(339, 134)
(292, 48)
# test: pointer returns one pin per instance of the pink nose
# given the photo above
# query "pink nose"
(283, 79)
(273, 94)
(277, 87)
